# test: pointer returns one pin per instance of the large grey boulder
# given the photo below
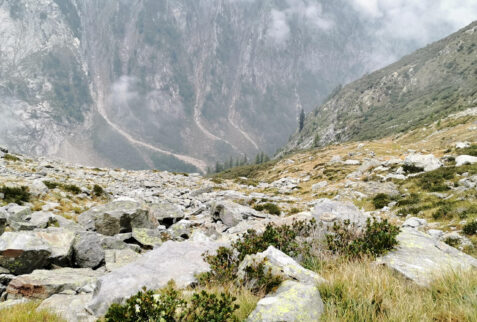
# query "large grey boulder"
(17, 213)
(119, 216)
(421, 258)
(116, 258)
(292, 301)
(166, 213)
(231, 213)
(41, 284)
(23, 252)
(330, 211)
(427, 162)
(69, 307)
(88, 250)
(279, 264)
(465, 159)
(148, 238)
(60, 242)
(178, 261)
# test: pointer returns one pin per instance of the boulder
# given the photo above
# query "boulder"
(319, 185)
(427, 162)
(119, 216)
(421, 258)
(148, 237)
(17, 213)
(41, 284)
(37, 188)
(292, 301)
(69, 307)
(3, 221)
(279, 264)
(329, 211)
(462, 145)
(88, 251)
(23, 252)
(231, 213)
(179, 261)
(166, 213)
(465, 159)
(414, 222)
(116, 258)
(60, 242)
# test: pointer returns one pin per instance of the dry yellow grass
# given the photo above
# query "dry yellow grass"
(27, 313)
(362, 291)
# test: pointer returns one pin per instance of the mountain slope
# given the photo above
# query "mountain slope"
(424, 86)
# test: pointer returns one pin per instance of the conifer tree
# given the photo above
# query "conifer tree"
(301, 121)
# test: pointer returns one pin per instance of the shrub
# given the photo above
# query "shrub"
(72, 188)
(409, 168)
(50, 184)
(171, 305)
(145, 307)
(470, 228)
(10, 157)
(18, 195)
(260, 280)
(411, 200)
(205, 307)
(98, 191)
(224, 264)
(434, 181)
(378, 238)
(271, 208)
(381, 200)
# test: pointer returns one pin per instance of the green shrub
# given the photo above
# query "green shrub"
(444, 211)
(470, 228)
(50, 184)
(98, 191)
(145, 307)
(381, 200)
(271, 208)
(171, 305)
(378, 238)
(72, 188)
(18, 195)
(435, 181)
(472, 150)
(10, 157)
(260, 280)
(224, 264)
(205, 307)
(411, 200)
(409, 168)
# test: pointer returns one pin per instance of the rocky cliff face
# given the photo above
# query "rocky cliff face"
(170, 84)
(422, 87)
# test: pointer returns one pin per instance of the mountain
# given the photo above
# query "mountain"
(420, 88)
(174, 84)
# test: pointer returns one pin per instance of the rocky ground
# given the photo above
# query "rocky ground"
(80, 238)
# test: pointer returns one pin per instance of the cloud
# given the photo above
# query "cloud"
(310, 12)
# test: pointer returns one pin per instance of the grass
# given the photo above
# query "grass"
(362, 291)
(26, 312)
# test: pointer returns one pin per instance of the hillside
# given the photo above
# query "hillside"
(174, 84)
(78, 239)
(420, 88)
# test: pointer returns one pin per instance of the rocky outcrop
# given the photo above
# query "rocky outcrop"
(465, 159)
(69, 307)
(329, 211)
(426, 162)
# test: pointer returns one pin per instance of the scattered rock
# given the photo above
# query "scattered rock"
(116, 258)
(329, 211)
(280, 264)
(41, 284)
(292, 301)
(414, 222)
(88, 251)
(427, 162)
(23, 252)
(319, 185)
(166, 214)
(462, 145)
(421, 258)
(69, 307)
(231, 213)
(119, 216)
(465, 159)
(180, 261)
(148, 237)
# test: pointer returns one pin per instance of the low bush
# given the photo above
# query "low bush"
(51, 184)
(260, 280)
(72, 188)
(98, 191)
(10, 157)
(290, 239)
(378, 238)
(17, 195)
(171, 305)
(435, 181)
(381, 200)
(470, 228)
(409, 168)
(271, 208)
(472, 150)
(66, 187)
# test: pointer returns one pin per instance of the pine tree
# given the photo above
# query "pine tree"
(218, 167)
(257, 159)
(231, 163)
(301, 120)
